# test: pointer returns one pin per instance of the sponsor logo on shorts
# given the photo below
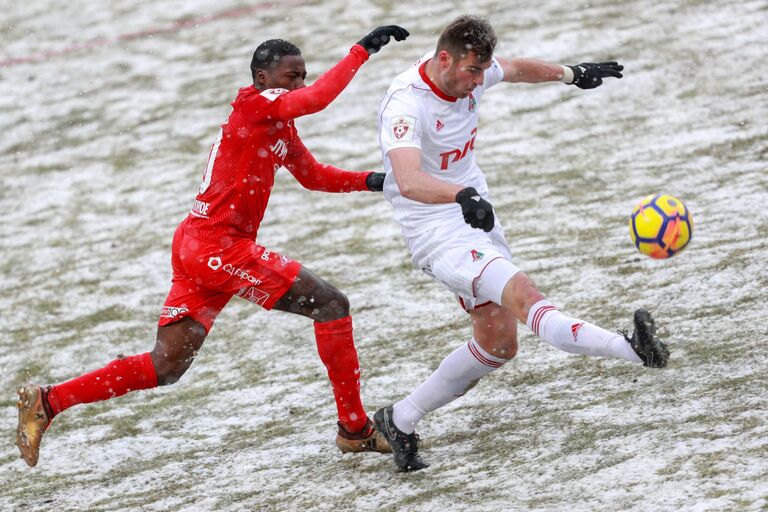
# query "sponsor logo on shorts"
(253, 294)
(476, 255)
(215, 263)
(242, 274)
(173, 311)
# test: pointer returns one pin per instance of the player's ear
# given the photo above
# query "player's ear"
(444, 58)
(259, 77)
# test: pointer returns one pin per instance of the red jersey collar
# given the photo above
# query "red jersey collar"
(431, 84)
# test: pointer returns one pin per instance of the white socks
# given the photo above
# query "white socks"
(456, 375)
(466, 365)
(575, 336)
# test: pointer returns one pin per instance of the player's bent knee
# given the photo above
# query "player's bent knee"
(335, 307)
(520, 294)
(505, 347)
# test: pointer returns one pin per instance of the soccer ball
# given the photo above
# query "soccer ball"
(660, 226)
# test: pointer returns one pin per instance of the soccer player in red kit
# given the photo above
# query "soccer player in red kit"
(215, 254)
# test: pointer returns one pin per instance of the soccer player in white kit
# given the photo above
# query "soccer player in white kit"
(427, 130)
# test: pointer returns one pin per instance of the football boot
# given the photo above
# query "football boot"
(367, 440)
(405, 447)
(652, 351)
(33, 422)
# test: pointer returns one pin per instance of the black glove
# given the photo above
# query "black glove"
(375, 181)
(478, 212)
(380, 36)
(589, 75)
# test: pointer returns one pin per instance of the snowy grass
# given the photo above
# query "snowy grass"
(101, 155)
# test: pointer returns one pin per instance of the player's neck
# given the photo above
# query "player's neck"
(431, 70)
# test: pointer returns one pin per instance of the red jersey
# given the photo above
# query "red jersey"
(258, 138)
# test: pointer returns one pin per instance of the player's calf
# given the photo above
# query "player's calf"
(175, 349)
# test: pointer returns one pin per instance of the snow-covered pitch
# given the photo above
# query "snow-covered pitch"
(107, 113)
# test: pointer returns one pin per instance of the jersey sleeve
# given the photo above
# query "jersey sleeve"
(493, 75)
(314, 98)
(402, 123)
(323, 177)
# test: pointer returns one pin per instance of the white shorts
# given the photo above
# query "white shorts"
(456, 254)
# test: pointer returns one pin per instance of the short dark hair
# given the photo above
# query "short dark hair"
(468, 34)
(269, 53)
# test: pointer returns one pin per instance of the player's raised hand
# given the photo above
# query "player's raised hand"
(477, 212)
(380, 36)
(589, 75)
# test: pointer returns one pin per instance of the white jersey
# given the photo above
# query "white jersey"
(416, 114)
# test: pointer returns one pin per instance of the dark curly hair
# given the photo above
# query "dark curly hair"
(269, 53)
(468, 34)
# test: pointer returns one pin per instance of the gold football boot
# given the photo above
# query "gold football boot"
(33, 421)
(367, 440)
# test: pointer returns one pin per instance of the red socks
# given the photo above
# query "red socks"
(334, 344)
(337, 351)
(116, 379)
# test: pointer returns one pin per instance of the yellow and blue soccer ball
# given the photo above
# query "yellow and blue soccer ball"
(660, 226)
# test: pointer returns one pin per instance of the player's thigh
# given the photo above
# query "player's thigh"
(520, 294)
(495, 329)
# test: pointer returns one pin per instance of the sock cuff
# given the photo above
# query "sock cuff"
(51, 402)
(149, 369)
(340, 326)
(484, 357)
(537, 313)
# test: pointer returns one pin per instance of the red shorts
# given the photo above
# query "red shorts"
(206, 276)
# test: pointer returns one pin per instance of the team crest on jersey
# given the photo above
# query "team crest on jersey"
(472, 103)
(476, 255)
(402, 127)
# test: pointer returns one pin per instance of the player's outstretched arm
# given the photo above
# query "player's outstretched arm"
(586, 75)
(314, 98)
(531, 71)
(326, 178)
